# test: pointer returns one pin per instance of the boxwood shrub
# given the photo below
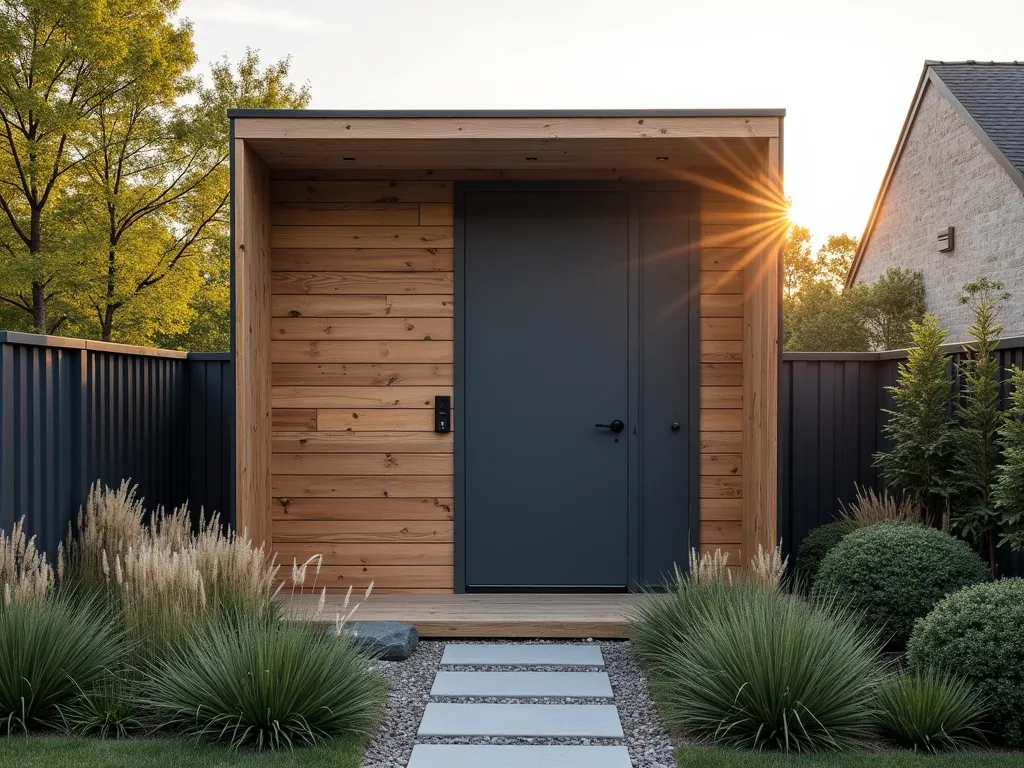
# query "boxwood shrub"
(818, 543)
(895, 573)
(978, 633)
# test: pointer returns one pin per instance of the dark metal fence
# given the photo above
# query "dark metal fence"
(832, 411)
(73, 412)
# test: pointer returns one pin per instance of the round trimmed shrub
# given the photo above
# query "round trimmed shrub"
(818, 543)
(266, 685)
(50, 651)
(762, 669)
(977, 633)
(894, 573)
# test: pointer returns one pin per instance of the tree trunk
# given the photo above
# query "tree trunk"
(38, 288)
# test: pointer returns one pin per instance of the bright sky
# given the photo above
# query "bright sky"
(845, 70)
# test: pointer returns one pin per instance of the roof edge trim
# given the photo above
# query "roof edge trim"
(399, 114)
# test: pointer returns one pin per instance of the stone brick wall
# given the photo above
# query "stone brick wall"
(947, 177)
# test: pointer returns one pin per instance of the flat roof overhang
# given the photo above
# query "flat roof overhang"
(577, 139)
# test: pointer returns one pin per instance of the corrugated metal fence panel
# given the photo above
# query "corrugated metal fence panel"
(211, 433)
(41, 472)
(71, 415)
(831, 419)
(138, 424)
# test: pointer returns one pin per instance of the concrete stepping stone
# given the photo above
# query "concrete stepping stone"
(592, 685)
(595, 721)
(523, 655)
(486, 756)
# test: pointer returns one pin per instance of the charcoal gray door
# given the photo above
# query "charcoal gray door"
(545, 357)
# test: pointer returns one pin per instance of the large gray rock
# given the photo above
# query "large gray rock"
(388, 640)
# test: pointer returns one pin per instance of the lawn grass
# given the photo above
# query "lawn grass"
(713, 757)
(60, 752)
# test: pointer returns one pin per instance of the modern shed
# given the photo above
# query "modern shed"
(587, 300)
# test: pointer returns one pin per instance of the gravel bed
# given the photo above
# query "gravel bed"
(648, 742)
(410, 691)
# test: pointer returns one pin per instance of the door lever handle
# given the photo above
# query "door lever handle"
(616, 426)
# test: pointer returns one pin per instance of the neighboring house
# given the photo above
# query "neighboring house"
(506, 351)
(959, 164)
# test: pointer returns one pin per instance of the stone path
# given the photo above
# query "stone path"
(493, 730)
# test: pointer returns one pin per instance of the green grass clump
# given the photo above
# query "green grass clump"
(266, 685)
(895, 573)
(978, 633)
(931, 711)
(762, 669)
(50, 650)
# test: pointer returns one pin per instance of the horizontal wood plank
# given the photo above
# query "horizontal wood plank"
(721, 351)
(720, 464)
(721, 442)
(721, 487)
(726, 532)
(721, 305)
(721, 419)
(362, 464)
(361, 237)
(362, 442)
(341, 214)
(393, 305)
(437, 213)
(380, 191)
(362, 374)
(363, 328)
(362, 282)
(379, 420)
(363, 486)
(365, 553)
(721, 328)
(721, 509)
(720, 397)
(355, 531)
(359, 577)
(361, 260)
(299, 508)
(721, 282)
(361, 351)
(721, 375)
(293, 418)
(723, 259)
(357, 397)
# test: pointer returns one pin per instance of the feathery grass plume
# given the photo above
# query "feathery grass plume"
(767, 569)
(268, 686)
(25, 576)
(869, 508)
(708, 567)
(931, 711)
(109, 524)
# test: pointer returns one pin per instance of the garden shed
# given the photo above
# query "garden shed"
(506, 351)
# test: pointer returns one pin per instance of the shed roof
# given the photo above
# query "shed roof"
(989, 97)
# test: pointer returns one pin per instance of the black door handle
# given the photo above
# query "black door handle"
(616, 426)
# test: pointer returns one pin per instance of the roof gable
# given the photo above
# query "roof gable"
(989, 97)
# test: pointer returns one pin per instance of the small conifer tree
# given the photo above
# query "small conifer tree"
(920, 461)
(973, 514)
(1009, 489)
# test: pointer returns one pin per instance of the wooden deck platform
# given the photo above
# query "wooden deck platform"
(493, 615)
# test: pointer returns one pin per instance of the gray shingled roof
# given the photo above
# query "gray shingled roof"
(993, 94)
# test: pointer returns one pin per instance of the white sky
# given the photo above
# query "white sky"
(845, 70)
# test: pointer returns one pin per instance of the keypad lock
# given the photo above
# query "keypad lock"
(443, 413)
